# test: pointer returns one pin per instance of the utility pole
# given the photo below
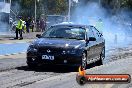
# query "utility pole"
(35, 16)
(69, 11)
(10, 16)
(35, 12)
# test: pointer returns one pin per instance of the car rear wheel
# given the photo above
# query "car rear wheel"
(102, 56)
(84, 61)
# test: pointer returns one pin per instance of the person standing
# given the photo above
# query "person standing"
(32, 25)
(19, 29)
(42, 25)
(38, 25)
(28, 25)
(23, 26)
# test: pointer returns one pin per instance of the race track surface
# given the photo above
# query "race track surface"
(14, 72)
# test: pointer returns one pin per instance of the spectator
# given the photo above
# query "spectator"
(42, 25)
(38, 25)
(32, 25)
(19, 28)
(28, 24)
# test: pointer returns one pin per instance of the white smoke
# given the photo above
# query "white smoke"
(75, 1)
(4, 16)
(116, 28)
(5, 7)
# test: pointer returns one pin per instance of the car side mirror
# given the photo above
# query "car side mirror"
(38, 35)
(92, 39)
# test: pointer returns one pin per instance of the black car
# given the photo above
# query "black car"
(67, 44)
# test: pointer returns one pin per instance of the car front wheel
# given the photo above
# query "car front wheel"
(84, 61)
(102, 56)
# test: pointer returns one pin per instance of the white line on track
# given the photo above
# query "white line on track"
(14, 42)
(12, 54)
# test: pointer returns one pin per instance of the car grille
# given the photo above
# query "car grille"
(50, 50)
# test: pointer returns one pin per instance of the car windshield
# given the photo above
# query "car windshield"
(65, 32)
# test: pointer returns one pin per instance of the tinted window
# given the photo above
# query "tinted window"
(65, 32)
(97, 34)
(90, 32)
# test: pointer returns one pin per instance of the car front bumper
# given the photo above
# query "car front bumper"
(59, 59)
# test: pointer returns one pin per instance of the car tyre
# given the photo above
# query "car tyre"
(102, 56)
(84, 61)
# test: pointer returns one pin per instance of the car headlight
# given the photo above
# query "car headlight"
(32, 48)
(72, 51)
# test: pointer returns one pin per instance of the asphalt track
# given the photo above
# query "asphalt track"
(13, 48)
(20, 47)
(14, 72)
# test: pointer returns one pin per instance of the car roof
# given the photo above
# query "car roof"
(71, 24)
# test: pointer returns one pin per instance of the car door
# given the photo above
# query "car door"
(91, 46)
(99, 41)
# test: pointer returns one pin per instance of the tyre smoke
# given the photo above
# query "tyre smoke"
(4, 16)
(116, 28)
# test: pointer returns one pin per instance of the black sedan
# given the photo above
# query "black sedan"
(67, 44)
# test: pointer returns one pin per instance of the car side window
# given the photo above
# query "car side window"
(97, 34)
(90, 32)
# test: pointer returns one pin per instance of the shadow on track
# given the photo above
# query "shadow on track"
(56, 69)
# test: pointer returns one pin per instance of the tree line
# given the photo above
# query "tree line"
(60, 7)
(26, 8)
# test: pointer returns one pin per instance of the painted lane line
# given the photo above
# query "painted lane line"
(15, 42)
(13, 54)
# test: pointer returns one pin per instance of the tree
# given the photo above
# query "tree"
(57, 6)
(116, 5)
(27, 7)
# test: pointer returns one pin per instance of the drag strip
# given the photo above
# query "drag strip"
(14, 72)
(13, 48)
(69, 80)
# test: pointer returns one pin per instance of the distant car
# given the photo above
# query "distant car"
(67, 44)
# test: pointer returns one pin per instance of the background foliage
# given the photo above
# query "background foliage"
(60, 7)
